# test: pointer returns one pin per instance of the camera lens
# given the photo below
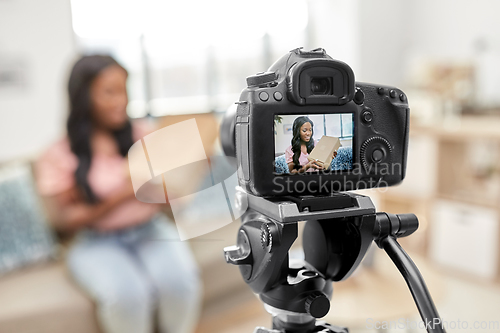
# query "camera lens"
(321, 86)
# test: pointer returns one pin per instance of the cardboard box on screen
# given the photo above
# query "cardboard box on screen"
(323, 151)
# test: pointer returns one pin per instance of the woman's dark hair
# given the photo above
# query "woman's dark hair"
(79, 125)
(296, 141)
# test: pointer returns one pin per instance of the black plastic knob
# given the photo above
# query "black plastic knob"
(261, 79)
(408, 224)
(317, 304)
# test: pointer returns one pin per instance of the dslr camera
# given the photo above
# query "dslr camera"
(303, 131)
(284, 114)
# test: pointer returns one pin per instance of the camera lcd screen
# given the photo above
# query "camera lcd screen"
(308, 144)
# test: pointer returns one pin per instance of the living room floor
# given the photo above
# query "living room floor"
(374, 296)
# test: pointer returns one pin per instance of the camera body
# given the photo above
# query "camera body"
(370, 121)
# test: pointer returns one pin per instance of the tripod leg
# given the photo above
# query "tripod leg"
(416, 283)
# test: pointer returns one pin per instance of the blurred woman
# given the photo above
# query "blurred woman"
(125, 256)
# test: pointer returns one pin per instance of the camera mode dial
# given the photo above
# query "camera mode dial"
(375, 150)
(261, 79)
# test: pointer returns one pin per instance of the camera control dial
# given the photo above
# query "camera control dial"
(375, 150)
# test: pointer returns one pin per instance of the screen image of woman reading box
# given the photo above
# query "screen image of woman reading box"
(302, 143)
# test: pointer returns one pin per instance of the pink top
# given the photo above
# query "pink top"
(302, 158)
(107, 176)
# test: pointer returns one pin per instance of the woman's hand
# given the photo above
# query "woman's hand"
(309, 165)
(316, 166)
(319, 167)
(127, 192)
(313, 165)
(68, 211)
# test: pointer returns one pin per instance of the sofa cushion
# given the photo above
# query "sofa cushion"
(25, 236)
(43, 299)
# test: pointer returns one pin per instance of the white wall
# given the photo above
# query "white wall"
(332, 26)
(384, 34)
(38, 35)
(379, 39)
(394, 35)
(449, 28)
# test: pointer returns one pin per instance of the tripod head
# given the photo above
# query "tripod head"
(337, 234)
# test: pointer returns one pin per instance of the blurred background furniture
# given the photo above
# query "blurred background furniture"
(453, 185)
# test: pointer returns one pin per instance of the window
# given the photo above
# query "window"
(339, 125)
(191, 57)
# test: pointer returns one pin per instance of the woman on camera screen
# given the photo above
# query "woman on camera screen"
(296, 155)
(123, 256)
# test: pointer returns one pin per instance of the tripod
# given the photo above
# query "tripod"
(338, 232)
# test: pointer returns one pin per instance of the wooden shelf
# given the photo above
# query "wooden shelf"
(463, 157)
(471, 200)
(462, 128)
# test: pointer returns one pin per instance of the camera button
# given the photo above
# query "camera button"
(278, 96)
(377, 155)
(392, 93)
(367, 116)
(264, 97)
(381, 91)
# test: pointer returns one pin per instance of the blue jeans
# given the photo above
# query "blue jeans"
(135, 273)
